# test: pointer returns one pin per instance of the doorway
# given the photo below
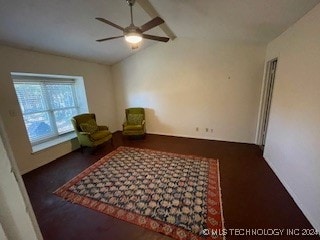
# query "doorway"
(266, 101)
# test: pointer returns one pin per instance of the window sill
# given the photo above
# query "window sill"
(54, 142)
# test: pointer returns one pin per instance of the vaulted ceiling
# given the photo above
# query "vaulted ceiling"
(69, 28)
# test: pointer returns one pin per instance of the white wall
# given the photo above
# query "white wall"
(292, 144)
(99, 89)
(191, 83)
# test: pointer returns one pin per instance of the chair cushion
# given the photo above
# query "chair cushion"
(90, 126)
(132, 127)
(135, 119)
(99, 135)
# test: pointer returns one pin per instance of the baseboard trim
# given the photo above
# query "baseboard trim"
(24, 171)
(315, 224)
(198, 137)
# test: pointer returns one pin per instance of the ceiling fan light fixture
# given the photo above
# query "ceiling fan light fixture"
(133, 37)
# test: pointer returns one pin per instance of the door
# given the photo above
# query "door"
(268, 89)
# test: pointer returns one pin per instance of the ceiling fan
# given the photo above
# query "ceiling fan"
(132, 33)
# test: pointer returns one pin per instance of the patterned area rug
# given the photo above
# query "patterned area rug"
(173, 194)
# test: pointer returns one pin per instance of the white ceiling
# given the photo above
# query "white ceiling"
(69, 28)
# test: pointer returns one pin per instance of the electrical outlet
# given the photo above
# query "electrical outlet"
(207, 129)
(197, 129)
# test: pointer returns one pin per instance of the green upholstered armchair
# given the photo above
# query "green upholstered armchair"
(88, 132)
(135, 124)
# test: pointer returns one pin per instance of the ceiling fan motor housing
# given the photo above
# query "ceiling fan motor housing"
(132, 29)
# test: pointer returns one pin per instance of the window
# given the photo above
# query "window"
(47, 105)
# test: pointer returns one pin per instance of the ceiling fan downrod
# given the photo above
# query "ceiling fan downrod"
(131, 3)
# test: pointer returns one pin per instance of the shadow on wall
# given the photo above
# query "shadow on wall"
(154, 124)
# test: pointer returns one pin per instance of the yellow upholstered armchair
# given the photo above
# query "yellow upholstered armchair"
(88, 132)
(135, 123)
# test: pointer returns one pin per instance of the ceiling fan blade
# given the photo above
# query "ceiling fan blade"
(151, 24)
(106, 39)
(156, 38)
(109, 23)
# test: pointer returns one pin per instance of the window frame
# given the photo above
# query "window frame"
(80, 104)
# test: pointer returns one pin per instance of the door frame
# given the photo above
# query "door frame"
(16, 190)
(266, 101)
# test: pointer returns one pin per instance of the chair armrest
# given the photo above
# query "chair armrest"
(103, 128)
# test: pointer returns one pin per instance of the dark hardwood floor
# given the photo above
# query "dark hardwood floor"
(252, 196)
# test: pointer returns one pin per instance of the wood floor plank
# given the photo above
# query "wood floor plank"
(252, 196)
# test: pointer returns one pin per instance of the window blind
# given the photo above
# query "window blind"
(47, 106)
